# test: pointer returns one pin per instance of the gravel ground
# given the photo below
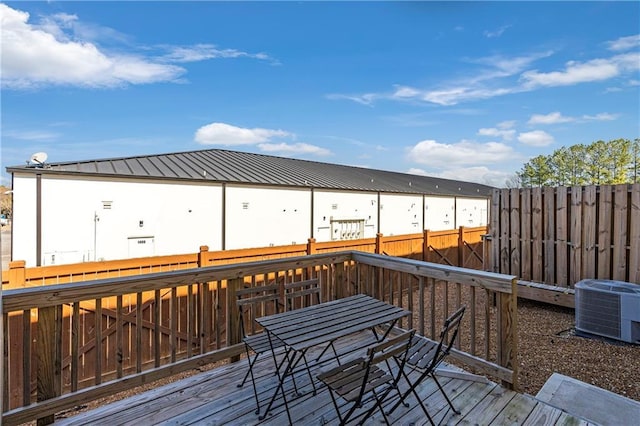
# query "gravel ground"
(547, 344)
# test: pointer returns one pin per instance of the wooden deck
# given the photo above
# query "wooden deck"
(213, 398)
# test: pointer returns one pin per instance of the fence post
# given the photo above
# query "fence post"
(425, 245)
(17, 274)
(202, 260)
(461, 262)
(379, 249)
(311, 246)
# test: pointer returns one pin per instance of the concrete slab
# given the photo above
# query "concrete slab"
(590, 402)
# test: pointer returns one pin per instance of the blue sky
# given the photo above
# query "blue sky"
(468, 91)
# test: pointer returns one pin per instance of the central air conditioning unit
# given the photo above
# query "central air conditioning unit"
(608, 308)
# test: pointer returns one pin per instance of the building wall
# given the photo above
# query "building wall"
(439, 213)
(342, 215)
(263, 216)
(99, 219)
(400, 214)
(86, 219)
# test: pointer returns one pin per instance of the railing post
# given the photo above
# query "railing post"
(17, 274)
(507, 323)
(49, 356)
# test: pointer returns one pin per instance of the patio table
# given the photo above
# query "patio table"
(304, 328)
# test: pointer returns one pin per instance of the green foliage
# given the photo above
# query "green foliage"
(600, 163)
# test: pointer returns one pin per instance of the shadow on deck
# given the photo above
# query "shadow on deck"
(213, 398)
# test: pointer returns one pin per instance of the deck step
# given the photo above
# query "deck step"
(594, 404)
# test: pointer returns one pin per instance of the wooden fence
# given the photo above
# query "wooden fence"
(143, 328)
(457, 247)
(559, 236)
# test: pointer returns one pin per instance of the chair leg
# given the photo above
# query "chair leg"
(253, 379)
(444, 393)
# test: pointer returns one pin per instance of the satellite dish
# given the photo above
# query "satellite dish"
(38, 158)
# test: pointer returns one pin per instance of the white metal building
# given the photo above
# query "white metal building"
(174, 203)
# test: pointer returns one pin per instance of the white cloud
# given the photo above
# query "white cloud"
(583, 72)
(32, 57)
(480, 174)
(496, 33)
(502, 130)
(228, 135)
(625, 43)
(536, 138)
(296, 148)
(32, 135)
(365, 99)
(551, 118)
(603, 116)
(464, 153)
(201, 52)
(557, 118)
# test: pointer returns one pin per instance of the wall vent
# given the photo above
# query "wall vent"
(608, 308)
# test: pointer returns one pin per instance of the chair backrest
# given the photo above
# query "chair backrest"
(301, 294)
(448, 336)
(255, 302)
(396, 347)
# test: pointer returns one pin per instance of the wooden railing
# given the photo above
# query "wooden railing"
(153, 326)
(459, 247)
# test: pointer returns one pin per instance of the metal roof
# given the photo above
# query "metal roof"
(217, 165)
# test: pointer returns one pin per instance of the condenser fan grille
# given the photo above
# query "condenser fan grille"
(598, 313)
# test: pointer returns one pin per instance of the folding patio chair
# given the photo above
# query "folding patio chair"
(252, 303)
(425, 355)
(363, 380)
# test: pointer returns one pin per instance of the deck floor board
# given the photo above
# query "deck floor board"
(213, 398)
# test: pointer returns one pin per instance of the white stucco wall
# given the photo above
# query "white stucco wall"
(152, 218)
(471, 212)
(23, 219)
(264, 216)
(331, 207)
(77, 226)
(400, 214)
(439, 213)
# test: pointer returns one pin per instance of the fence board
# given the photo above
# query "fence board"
(619, 255)
(634, 235)
(589, 234)
(604, 232)
(561, 237)
(549, 235)
(504, 230)
(536, 234)
(575, 246)
(525, 226)
(515, 233)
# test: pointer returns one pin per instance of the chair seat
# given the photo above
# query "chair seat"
(259, 342)
(346, 379)
(421, 352)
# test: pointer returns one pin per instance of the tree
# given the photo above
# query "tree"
(536, 173)
(633, 169)
(567, 165)
(619, 155)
